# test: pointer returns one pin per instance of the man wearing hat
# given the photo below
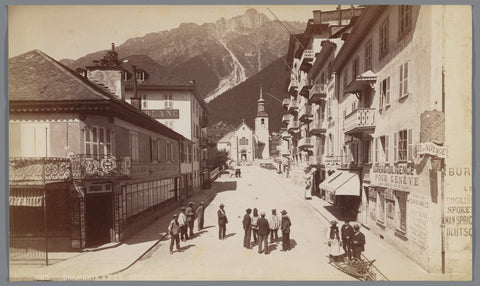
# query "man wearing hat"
(200, 212)
(247, 227)
(286, 223)
(182, 221)
(222, 222)
(347, 233)
(173, 231)
(190, 218)
(274, 224)
(263, 231)
(357, 242)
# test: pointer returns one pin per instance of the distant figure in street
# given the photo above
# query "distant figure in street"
(347, 233)
(247, 227)
(182, 221)
(200, 216)
(333, 239)
(255, 225)
(263, 232)
(274, 224)
(287, 169)
(190, 219)
(173, 231)
(222, 222)
(286, 223)
(358, 242)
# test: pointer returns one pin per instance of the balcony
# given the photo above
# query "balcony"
(292, 87)
(286, 102)
(306, 60)
(286, 118)
(286, 135)
(361, 120)
(203, 121)
(315, 160)
(318, 93)
(293, 126)
(306, 143)
(305, 113)
(304, 87)
(39, 169)
(203, 142)
(318, 127)
(100, 166)
(292, 107)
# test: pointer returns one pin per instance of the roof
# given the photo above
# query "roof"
(226, 138)
(36, 80)
(243, 124)
(35, 76)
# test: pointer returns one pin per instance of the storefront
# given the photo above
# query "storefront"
(342, 189)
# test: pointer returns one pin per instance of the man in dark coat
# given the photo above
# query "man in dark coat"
(347, 233)
(190, 218)
(200, 216)
(222, 222)
(286, 223)
(357, 242)
(263, 232)
(247, 227)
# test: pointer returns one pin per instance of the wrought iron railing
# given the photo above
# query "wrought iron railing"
(42, 169)
(28, 249)
(100, 166)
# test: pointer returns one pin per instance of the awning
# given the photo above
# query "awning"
(342, 183)
(26, 197)
(361, 81)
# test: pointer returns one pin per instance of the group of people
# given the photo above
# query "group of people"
(181, 226)
(345, 243)
(261, 228)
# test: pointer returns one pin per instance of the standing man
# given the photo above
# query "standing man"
(286, 223)
(358, 242)
(347, 233)
(173, 230)
(182, 221)
(247, 227)
(263, 231)
(200, 212)
(190, 218)
(222, 222)
(274, 224)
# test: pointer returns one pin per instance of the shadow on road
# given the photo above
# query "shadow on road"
(226, 186)
(272, 247)
(206, 227)
(339, 214)
(293, 243)
(230, 235)
(186, 247)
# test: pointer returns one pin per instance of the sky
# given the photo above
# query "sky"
(73, 31)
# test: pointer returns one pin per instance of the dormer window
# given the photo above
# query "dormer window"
(140, 75)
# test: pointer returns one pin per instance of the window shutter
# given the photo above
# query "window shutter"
(395, 150)
(151, 149)
(410, 145)
(162, 151)
(401, 81)
(405, 77)
(381, 95)
(387, 92)
(154, 150)
(175, 152)
(376, 150)
(386, 148)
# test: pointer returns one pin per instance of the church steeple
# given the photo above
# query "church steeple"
(261, 105)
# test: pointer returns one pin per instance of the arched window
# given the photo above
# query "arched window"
(263, 121)
(243, 141)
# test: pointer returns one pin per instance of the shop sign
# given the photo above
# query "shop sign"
(163, 113)
(432, 149)
(100, 188)
(398, 177)
(333, 160)
(432, 127)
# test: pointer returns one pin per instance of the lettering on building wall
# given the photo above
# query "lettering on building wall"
(163, 113)
(418, 205)
(458, 216)
(432, 127)
(401, 177)
(432, 149)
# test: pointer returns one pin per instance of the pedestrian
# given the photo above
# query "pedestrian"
(190, 219)
(222, 222)
(263, 232)
(334, 243)
(347, 233)
(255, 225)
(286, 223)
(288, 170)
(182, 221)
(358, 242)
(173, 231)
(274, 224)
(247, 227)
(200, 215)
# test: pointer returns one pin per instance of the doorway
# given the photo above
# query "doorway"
(243, 156)
(99, 219)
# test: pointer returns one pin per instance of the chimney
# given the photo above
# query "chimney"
(339, 8)
(317, 16)
(113, 47)
(135, 100)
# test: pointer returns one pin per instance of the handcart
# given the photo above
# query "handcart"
(361, 269)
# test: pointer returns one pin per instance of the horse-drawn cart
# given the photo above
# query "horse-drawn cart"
(360, 269)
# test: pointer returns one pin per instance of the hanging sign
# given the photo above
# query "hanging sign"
(432, 149)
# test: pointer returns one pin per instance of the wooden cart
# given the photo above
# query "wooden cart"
(363, 269)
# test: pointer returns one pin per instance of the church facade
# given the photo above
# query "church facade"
(244, 144)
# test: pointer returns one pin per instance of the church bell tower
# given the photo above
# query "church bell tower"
(261, 129)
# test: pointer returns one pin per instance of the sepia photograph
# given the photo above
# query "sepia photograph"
(239, 143)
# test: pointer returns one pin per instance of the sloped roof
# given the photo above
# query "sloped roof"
(243, 124)
(227, 137)
(35, 76)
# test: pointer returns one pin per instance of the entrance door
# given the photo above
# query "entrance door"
(244, 156)
(99, 219)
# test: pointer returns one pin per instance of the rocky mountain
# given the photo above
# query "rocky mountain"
(218, 56)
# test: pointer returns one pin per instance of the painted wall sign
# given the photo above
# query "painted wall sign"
(400, 177)
(432, 149)
(163, 113)
(432, 127)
